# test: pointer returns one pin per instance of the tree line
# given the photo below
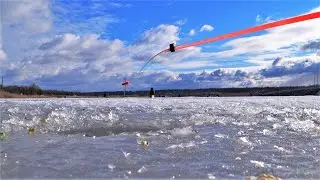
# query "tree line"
(34, 89)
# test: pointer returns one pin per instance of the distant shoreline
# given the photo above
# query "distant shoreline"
(210, 92)
(4, 95)
(218, 92)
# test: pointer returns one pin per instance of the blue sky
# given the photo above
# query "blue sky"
(105, 41)
(127, 20)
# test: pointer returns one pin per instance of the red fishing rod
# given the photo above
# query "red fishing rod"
(270, 25)
(249, 30)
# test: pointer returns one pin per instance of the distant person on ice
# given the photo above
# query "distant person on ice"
(152, 93)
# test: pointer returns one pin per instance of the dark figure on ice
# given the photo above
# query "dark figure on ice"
(152, 93)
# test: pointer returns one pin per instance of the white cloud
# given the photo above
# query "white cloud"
(258, 18)
(190, 65)
(265, 59)
(280, 41)
(287, 72)
(3, 55)
(156, 39)
(181, 22)
(69, 55)
(292, 66)
(206, 27)
(69, 17)
(261, 19)
(312, 45)
(34, 16)
(163, 34)
(86, 54)
(92, 59)
(86, 62)
(24, 25)
(192, 32)
(119, 5)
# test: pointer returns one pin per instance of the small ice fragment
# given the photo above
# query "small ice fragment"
(186, 131)
(270, 118)
(238, 158)
(142, 169)
(126, 155)
(251, 178)
(219, 135)
(110, 115)
(211, 176)
(245, 140)
(152, 133)
(190, 144)
(129, 172)
(266, 132)
(204, 142)
(276, 126)
(279, 167)
(258, 163)
(279, 148)
(111, 167)
(182, 145)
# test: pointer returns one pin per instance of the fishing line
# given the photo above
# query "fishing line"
(142, 67)
(151, 60)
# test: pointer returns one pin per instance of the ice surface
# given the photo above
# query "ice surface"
(188, 137)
